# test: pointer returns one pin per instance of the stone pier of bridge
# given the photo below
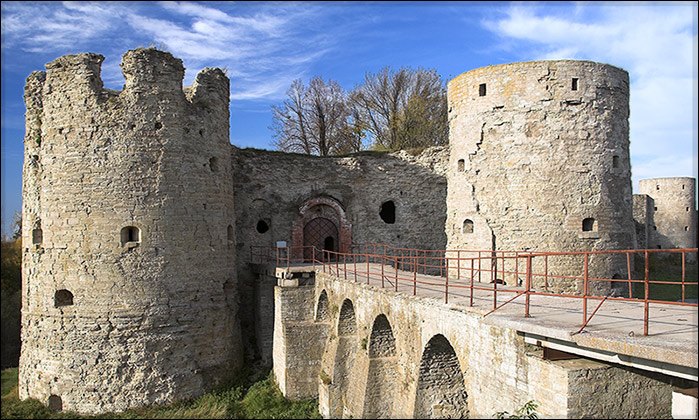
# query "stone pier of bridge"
(367, 350)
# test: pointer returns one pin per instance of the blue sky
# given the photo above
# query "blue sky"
(265, 46)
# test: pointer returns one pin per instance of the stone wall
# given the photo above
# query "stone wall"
(278, 191)
(384, 354)
(643, 219)
(539, 161)
(674, 217)
(129, 292)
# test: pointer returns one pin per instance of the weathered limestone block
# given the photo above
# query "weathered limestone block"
(129, 293)
(540, 150)
(672, 222)
(389, 355)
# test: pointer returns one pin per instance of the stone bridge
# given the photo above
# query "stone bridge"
(367, 351)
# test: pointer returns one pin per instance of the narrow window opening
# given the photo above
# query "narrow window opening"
(682, 186)
(388, 212)
(655, 228)
(481, 89)
(262, 226)
(158, 125)
(686, 208)
(615, 161)
(213, 164)
(130, 235)
(655, 209)
(230, 234)
(460, 165)
(686, 228)
(660, 247)
(657, 187)
(37, 236)
(468, 226)
(63, 297)
(55, 403)
(575, 84)
(201, 132)
(589, 225)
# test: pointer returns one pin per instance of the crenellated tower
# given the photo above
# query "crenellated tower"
(539, 161)
(129, 293)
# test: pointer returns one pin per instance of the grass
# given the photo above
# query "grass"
(666, 269)
(255, 400)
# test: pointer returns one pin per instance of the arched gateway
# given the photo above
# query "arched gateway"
(323, 224)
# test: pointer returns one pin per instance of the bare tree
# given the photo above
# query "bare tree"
(290, 125)
(313, 119)
(402, 109)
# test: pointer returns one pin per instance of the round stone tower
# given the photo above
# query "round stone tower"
(539, 161)
(674, 212)
(129, 292)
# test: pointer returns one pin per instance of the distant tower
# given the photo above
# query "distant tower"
(674, 215)
(539, 161)
(129, 292)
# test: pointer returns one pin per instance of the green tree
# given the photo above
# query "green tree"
(401, 109)
(11, 301)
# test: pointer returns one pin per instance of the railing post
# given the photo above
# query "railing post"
(529, 285)
(585, 291)
(493, 267)
(446, 283)
(314, 258)
(344, 262)
(472, 275)
(354, 260)
(479, 266)
(495, 283)
(683, 275)
(383, 262)
(458, 264)
(628, 271)
(367, 268)
(441, 262)
(645, 299)
(516, 268)
(396, 266)
(546, 273)
(414, 278)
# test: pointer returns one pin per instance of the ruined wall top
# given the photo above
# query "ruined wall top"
(147, 72)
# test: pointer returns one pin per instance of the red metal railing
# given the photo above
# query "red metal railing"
(526, 273)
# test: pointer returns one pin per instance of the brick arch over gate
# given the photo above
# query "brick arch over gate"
(322, 207)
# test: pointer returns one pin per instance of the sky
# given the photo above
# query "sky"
(265, 46)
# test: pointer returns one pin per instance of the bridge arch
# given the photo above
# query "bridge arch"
(347, 322)
(382, 375)
(344, 364)
(323, 308)
(441, 391)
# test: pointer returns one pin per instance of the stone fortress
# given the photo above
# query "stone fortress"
(140, 217)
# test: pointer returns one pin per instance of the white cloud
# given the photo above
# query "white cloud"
(262, 46)
(40, 27)
(656, 43)
(271, 89)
